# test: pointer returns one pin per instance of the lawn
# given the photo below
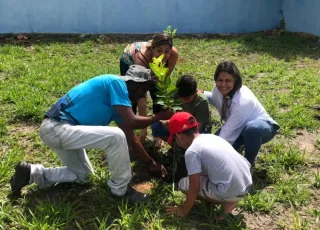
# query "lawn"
(283, 70)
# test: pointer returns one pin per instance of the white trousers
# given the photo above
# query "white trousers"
(205, 190)
(69, 143)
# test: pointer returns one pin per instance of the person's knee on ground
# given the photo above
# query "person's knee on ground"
(120, 169)
(119, 163)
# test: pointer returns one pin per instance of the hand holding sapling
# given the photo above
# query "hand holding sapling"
(164, 114)
(167, 91)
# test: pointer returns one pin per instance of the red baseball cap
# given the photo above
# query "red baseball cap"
(180, 122)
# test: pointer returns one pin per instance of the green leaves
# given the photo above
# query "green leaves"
(167, 91)
(170, 32)
(159, 68)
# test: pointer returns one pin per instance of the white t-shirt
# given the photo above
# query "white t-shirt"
(244, 107)
(227, 170)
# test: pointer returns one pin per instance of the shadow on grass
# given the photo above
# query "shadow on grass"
(71, 205)
(74, 206)
(207, 213)
(279, 44)
(260, 180)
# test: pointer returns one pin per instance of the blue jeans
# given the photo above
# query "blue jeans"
(254, 134)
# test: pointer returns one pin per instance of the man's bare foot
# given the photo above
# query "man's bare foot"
(228, 207)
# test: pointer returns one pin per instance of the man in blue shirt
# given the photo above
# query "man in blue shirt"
(79, 121)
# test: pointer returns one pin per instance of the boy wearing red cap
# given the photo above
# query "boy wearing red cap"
(216, 172)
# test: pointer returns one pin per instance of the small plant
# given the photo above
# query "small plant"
(130, 218)
(289, 159)
(316, 214)
(168, 31)
(292, 191)
(44, 216)
(318, 143)
(102, 223)
(3, 128)
(296, 223)
(167, 91)
(316, 183)
(261, 202)
(208, 213)
(292, 159)
(300, 223)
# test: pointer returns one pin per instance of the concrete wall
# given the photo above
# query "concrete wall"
(138, 16)
(302, 15)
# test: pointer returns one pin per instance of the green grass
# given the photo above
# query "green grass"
(316, 183)
(281, 69)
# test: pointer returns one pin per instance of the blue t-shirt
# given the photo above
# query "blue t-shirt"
(92, 102)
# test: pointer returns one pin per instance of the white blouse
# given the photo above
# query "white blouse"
(243, 107)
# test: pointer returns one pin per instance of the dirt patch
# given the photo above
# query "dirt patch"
(306, 141)
(308, 65)
(3, 149)
(182, 60)
(283, 217)
(282, 91)
(23, 129)
(284, 110)
(260, 75)
(143, 187)
(22, 135)
(260, 221)
(25, 136)
(3, 76)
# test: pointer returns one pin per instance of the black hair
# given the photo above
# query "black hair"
(160, 39)
(186, 86)
(230, 68)
(191, 131)
(135, 87)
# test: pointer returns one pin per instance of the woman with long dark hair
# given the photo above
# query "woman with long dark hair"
(245, 121)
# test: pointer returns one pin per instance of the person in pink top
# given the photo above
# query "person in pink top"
(141, 53)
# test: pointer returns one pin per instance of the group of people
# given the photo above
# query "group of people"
(212, 166)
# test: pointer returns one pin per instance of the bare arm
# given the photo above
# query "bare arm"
(134, 143)
(192, 194)
(142, 108)
(133, 121)
(173, 58)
